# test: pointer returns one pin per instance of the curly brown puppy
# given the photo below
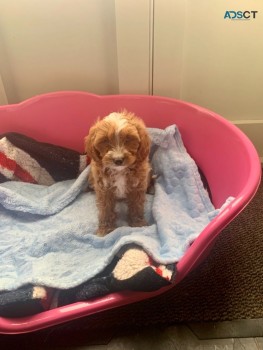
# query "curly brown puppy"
(118, 146)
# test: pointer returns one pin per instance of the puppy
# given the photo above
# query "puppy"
(118, 146)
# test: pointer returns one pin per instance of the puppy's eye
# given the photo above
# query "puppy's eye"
(130, 139)
(131, 142)
(102, 141)
(102, 145)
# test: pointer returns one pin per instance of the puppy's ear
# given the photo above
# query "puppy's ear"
(145, 143)
(89, 142)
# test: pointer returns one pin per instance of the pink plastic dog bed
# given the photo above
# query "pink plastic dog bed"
(225, 155)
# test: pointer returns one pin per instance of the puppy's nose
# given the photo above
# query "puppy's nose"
(118, 161)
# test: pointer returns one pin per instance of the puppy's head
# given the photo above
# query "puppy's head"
(118, 141)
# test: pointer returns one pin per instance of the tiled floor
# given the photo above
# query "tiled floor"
(243, 335)
(179, 337)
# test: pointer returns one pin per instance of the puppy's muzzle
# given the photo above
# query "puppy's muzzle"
(118, 161)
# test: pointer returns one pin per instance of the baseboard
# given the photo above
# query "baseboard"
(254, 130)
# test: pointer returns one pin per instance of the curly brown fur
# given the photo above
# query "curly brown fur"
(118, 146)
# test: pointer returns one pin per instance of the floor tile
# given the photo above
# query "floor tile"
(229, 329)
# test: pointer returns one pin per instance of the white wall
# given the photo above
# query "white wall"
(57, 44)
(100, 46)
(213, 62)
(134, 33)
(202, 58)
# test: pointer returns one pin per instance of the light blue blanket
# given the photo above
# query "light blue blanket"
(47, 234)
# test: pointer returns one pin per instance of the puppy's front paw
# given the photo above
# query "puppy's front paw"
(138, 222)
(104, 230)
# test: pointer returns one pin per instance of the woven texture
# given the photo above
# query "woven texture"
(228, 285)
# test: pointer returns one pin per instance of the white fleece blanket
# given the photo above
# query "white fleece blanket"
(47, 234)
